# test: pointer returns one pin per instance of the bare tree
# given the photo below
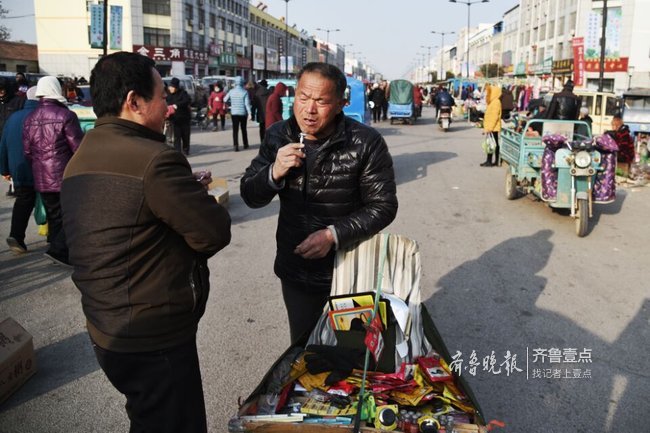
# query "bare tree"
(5, 33)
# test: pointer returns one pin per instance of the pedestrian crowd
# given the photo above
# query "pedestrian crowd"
(140, 259)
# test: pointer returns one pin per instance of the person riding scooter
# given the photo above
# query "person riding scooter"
(444, 99)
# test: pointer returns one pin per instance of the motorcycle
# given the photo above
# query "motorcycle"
(444, 118)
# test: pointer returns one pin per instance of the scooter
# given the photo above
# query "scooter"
(444, 118)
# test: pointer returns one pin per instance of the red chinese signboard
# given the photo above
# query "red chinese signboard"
(171, 54)
(579, 61)
(611, 65)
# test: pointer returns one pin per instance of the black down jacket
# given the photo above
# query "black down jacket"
(564, 106)
(351, 186)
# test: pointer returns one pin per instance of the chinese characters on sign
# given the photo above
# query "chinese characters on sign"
(579, 61)
(116, 27)
(541, 363)
(168, 53)
(96, 26)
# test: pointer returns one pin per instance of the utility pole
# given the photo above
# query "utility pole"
(105, 41)
(601, 72)
(286, 38)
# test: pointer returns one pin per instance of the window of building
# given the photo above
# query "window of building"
(156, 7)
(245, 29)
(188, 40)
(156, 37)
(237, 29)
(189, 12)
(21, 68)
(560, 26)
(229, 26)
(222, 23)
(572, 21)
(213, 21)
(3, 67)
(551, 29)
(542, 32)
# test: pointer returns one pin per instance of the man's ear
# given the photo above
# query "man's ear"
(131, 101)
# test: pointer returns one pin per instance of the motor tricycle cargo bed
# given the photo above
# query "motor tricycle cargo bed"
(519, 151)
(354, 273)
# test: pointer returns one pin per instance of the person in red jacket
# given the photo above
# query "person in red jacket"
(274, 105)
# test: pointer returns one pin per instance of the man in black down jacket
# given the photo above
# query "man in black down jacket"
(336, 187)
(140, 229)
(182, 117)
(564, 105)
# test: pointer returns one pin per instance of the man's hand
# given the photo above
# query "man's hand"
(288, 156)
(317, 245)
(205, 177)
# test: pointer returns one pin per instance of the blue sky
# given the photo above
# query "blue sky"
(388, 33)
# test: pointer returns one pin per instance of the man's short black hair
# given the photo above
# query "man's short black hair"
(328, 71)
(114, 76)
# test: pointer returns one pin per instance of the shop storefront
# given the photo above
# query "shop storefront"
(259, 62)
(227, 64)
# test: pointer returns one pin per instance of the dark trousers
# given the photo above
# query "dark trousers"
(216, 119)
(262, 130)
(237, 123)
(23, 207)
(58, 246)
(376, 113)
(163, 389)
(384, 111)
(304, 308)
(182, 136)
(495, 135)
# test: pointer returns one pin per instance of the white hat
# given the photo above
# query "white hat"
(50, 88)
(31, 93)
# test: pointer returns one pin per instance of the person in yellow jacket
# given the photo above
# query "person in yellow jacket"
(492, 122)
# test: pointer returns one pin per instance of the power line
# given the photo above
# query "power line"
(18, 16)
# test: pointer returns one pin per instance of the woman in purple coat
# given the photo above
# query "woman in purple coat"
(51, 135)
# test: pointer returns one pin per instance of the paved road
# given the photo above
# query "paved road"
(498, 276)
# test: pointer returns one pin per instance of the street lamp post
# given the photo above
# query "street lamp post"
(630, 72)
(428, 47)
(286, 38)
(468, 3)
(327, 43)
(442, 49)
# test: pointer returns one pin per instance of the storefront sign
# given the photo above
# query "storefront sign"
(243, 62)
(228, 59)
(521, 68)
(258, 57)
(579, 61)
(272, 60)
(564, 66)
(283, 64)
(171, 54)
(611, 65)
(214, 50)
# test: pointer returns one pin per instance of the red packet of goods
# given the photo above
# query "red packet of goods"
(374, 340)
(433, 370)
(342, 388)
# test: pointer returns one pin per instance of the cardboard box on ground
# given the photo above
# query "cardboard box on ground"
(219, 189)
(17, 361)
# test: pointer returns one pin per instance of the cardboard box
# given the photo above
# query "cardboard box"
(219, 189)
(17, 362)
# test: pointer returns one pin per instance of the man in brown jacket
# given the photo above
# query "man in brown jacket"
(140, 229)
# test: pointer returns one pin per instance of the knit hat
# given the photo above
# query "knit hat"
(50, 88)
(175, 82)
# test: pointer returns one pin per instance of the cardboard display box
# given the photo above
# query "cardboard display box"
(17, 361)
(219, 189)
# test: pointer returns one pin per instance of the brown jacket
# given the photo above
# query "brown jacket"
(140, 229)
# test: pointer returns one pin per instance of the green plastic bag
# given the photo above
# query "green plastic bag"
(488, 144)
(40, 216)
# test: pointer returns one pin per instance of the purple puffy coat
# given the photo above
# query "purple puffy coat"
(51, 134)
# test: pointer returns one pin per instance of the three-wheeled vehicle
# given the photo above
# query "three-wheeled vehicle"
(357, 105)
(400, 102)
(636, 115)
(563, 168)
